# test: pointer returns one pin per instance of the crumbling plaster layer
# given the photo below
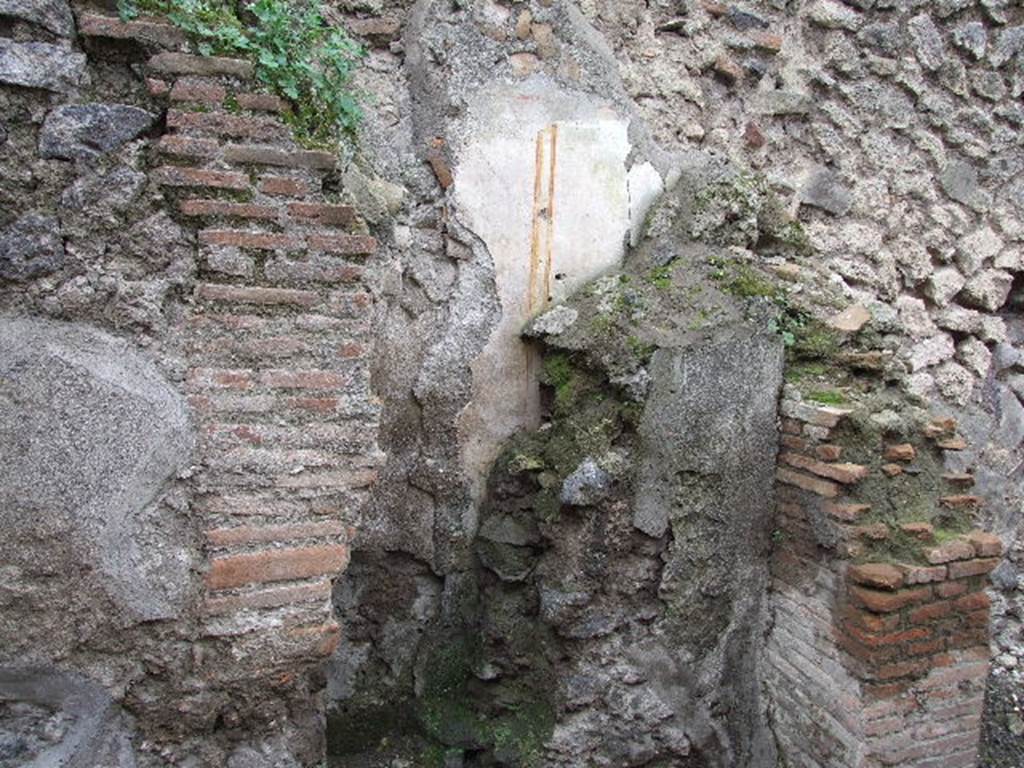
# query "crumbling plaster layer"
(93, 435)
(543, 182)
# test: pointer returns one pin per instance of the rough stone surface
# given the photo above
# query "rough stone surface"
(988, 290)
(41, 65)
(927, 41)
(824, 190)
(943, 285)
(54, 15)
(972, 37)
(88, 130)
(587, 484)
(31, 247)
(909, 115)
(960, 182)
(81, 725)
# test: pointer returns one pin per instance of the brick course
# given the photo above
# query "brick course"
(274, 340)
(891, 657)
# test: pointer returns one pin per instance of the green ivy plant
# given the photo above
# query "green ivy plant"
(296, 54)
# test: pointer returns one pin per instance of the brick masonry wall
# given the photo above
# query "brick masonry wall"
(276, 342)
(873, 661)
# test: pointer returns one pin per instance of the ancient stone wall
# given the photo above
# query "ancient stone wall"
(888, 130)
(180, 281)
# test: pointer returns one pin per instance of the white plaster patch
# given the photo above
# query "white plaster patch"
(542, 180)
(645, 186)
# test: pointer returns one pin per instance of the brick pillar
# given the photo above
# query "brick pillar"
(277, 376)
(879, 649)
(275, 345)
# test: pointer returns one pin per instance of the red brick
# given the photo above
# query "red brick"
(959, 478)
(843, 473)
(957, 549)
(268, 598)
(979, 619)
(249, 534)
(793, 442)
(188, 146)
(766, 41)
(439, 165)
(220, 378)
(275, 565)
(157, 87)
(847, 512)
(976, 601)
(880, 691)
(349, 303)
(323, 213)
(874, 531)
(918, 574)
(285, 186)
(956, 443)
(872, 622)
(261, 102)
(961, 501)
(728, 69)
(985, 544)
(900, 669)
(254, 295)
(197, 207)
(910, 754)
(968, 637)
(897, 708)
(869, 656)
(880, 640)
(901, 452)
(351, 350)
(815, 485)
(889, 602)
(754, 136)
(325, 637)
(380, 30)
(309, 379)
(884, 726)
(967, 568)
(349, 245)
(315, 404)
(198, 91)
(226, 124)
(828, 452)
(920, 531)
(892, 470)
(185, 64)
(876, 575)
(241, 238)
(259, 155)
(142, 29)
(925, 647)
(791, 427)
(243, 432)
(950, 589)
(927, 614)
(173, 176)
